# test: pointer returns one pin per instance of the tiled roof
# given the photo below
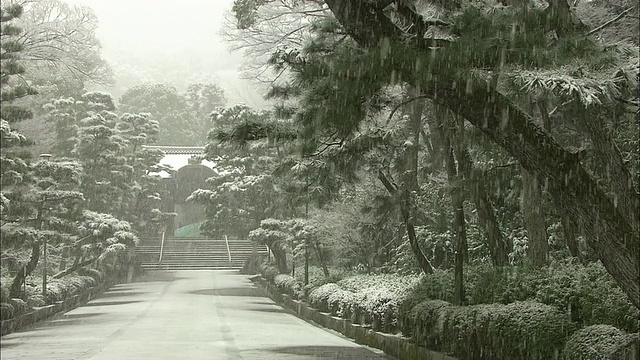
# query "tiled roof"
(178, 150)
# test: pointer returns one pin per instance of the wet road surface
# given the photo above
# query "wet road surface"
(181, 315)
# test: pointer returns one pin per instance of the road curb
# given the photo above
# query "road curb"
(394, 345)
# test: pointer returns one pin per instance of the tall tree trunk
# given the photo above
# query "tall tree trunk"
(64, 257)
(609, 159)
(496, 242)
(280, 256)
(321, 259)
(534, 221)
(25, 271)
(421, 258)
(409, 179)
(569, 230)
(28, 268)
(457, 202)
(569, 227)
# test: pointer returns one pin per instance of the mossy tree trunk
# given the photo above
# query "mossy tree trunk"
(498, 246)
(406, 192)
(30, 266)
(456, 181)
(534, 220)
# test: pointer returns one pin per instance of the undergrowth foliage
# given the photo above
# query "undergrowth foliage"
(520, 313)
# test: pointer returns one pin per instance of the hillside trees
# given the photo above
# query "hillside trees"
(182, 118)
(61, 47)
(118, 170)
(257, 28)
(61, 51)
(245, 192)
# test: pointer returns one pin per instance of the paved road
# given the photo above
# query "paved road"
(181, 315)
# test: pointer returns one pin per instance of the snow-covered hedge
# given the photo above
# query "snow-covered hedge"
(7, 311)
(365, 299)
(287, 284)
(319, 297)
(342, 303)
(601, 342)
(268, 271)
(517, 331)
(60, 289)
(57, 290)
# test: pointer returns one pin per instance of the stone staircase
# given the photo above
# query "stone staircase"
(194, 253)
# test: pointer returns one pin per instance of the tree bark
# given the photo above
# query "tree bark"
(280, 256)
(497, 244)
(616, 173)
(321, 259)
(409, 178)
(533, 220)
(421, 258)
(457, 202)
(25, 271)
(569, 230)
(75, 267)
(608, 230)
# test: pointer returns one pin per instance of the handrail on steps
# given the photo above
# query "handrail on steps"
(228, 250)
(161, 249)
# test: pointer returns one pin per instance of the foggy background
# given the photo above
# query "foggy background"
(172, 42)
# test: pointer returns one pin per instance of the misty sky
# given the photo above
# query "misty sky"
(184, 32)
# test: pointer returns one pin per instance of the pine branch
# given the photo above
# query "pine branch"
(403, 104)
(628, 102)
(504, 166)
(391, 188)
(620, 16)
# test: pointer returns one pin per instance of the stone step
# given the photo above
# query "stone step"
(200, 253)
(192, 267)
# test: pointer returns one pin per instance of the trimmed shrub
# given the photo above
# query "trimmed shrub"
(288, 285)
(628, 349)
(317, 278)
(521, 330)
(20, 306)
(4, 289)
(61, 289)
(36, 301)
(319, 298)
(600, 342)
(6, 311)
(269, 271)
(423, 322)
(587, 293)
(438, 285)
(377, 298)
(341, 303)
(379, 305)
